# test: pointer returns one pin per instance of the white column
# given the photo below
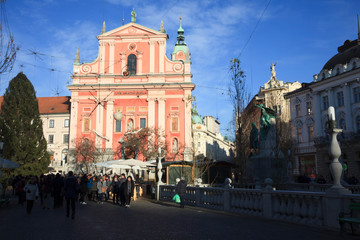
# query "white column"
(151, 112)
(318, 117)
(161, 56)
(111, 57)
(187, 128)
(102, 56)
(349, 115)
(109, 123)
(139, 63)
(123, 62)
(99, 120)
(161, 118)
(152, 56)
(73, 122)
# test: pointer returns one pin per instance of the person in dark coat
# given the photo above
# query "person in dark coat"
(115, 189)
(83, 188)
(181, 191)
(58, 190)
(71, 188)
(122, 189)
(128, 190)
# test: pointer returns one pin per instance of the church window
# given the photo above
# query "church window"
(117, 126)
(340, 99)
(131, 64)
(175, 124)
(354, 65)
(86, 126)
(142, 122)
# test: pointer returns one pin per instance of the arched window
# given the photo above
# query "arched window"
(131, 64)
(353, 65)
(175, 145)
(342, 124)
(358, 124)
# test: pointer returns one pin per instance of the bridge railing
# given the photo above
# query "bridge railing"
(309, 208)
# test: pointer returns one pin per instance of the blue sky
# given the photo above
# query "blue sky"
(301, 36)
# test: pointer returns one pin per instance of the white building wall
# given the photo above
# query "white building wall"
(58, 131)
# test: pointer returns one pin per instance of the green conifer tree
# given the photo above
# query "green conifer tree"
(21, 128)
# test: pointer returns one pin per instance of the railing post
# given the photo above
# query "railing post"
(197, 196)
(266, 195)
(226, 199)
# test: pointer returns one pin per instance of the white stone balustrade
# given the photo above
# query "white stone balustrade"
(300, 207)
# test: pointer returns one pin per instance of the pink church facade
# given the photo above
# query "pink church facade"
(132, 84)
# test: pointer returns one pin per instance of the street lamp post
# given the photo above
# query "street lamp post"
(159, 173)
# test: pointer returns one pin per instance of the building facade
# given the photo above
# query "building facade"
(208, 141)
(336, 85)
(133, 84)
(271, 95)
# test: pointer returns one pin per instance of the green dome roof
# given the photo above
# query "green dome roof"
(196, 119)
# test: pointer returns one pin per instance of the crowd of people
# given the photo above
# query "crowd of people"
(52, 190)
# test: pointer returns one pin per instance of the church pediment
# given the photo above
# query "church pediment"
(131, 29)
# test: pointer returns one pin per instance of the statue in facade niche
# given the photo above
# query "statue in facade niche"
(265, 124)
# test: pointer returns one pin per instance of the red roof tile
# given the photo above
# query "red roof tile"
(51, 105)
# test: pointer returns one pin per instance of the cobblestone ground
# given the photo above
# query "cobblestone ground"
(148, 219)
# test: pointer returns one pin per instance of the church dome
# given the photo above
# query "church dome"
(196, 119)
(348, 51)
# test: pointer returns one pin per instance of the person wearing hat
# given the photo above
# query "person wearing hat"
(32, 192)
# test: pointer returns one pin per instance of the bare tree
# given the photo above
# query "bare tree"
(239, 97)
(143, 142)
(84, 154)
(8, 48)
